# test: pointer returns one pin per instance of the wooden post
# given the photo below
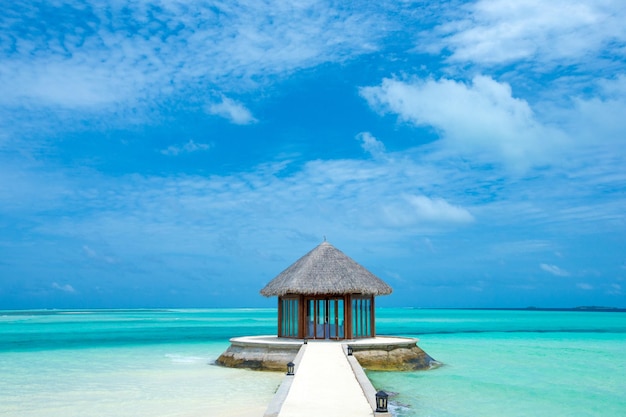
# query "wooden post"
(301, 318)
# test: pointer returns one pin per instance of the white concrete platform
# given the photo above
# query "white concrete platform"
(271, 353)
(286, 342)
(325, 385)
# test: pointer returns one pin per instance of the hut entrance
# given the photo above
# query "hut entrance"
(325, 318)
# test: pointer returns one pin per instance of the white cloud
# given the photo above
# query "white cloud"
(584, 286)
(554, 270)
(189, 147)
(92, 254)
(614, 289)
(54, 81)
(232, 110)
(541, 32)
(64, 288)
(370, 144)
(419, 209)
(599, 119)
(437, 209)
(190, 214)
(130, 53)
(482, 118)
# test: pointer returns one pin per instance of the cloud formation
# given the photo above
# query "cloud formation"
(481, 117)
(614, 289)
(129, 52)
(370, 144)
(189, 147)
(232, 110)
(554, 270)
(67, 288)
(92, 254)
(438, 210)
(428, 213)
(545, 33)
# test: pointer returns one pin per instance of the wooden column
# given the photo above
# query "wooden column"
(301, 317)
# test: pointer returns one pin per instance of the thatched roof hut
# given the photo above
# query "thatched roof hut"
(326, 270)
(326, 294)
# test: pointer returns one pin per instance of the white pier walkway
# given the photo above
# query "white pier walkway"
(325, 384)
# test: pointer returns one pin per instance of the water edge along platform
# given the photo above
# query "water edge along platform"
(327, 381)
(381, 353)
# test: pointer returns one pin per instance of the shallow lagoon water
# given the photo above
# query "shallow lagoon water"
(512, 363)
(162, 380)
(128, 363)
(159, 363)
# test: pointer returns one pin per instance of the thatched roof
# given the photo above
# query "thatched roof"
(326, 270)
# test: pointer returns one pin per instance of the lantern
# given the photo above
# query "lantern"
(350, 350)
(381, 401)
(290, 368)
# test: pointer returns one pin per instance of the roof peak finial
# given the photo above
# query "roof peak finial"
(324, 238)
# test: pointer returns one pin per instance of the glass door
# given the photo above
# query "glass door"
(310, 318)
(321, 329)
(336, 318)
(325, 318)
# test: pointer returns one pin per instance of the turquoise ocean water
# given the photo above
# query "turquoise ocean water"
(158, 363)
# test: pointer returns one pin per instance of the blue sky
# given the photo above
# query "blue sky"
(183, 153)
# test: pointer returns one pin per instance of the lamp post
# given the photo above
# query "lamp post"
(350, 350)
(290, 368)
(381, 401)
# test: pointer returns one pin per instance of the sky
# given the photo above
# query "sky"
(183, 153)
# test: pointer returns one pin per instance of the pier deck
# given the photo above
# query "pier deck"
(324, 385)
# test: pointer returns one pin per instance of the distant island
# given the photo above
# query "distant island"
(533, 308)
(580, 308)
